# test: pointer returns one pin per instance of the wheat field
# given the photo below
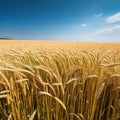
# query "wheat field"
(59, 81)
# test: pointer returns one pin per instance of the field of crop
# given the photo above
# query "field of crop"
(69, 82)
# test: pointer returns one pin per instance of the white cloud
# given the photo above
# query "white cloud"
(109, 29)
(83, 25)
(98, 15)
(106, 34)
(113, 18)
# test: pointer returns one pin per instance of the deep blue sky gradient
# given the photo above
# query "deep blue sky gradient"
(53, 19)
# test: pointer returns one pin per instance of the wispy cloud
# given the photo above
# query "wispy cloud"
(83, 25)
(109, 29)
(106, 30)
(113, 18)
(98, 15)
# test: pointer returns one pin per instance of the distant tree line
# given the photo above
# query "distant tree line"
(5, 38)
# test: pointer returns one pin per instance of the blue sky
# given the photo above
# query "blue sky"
(66, 20)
